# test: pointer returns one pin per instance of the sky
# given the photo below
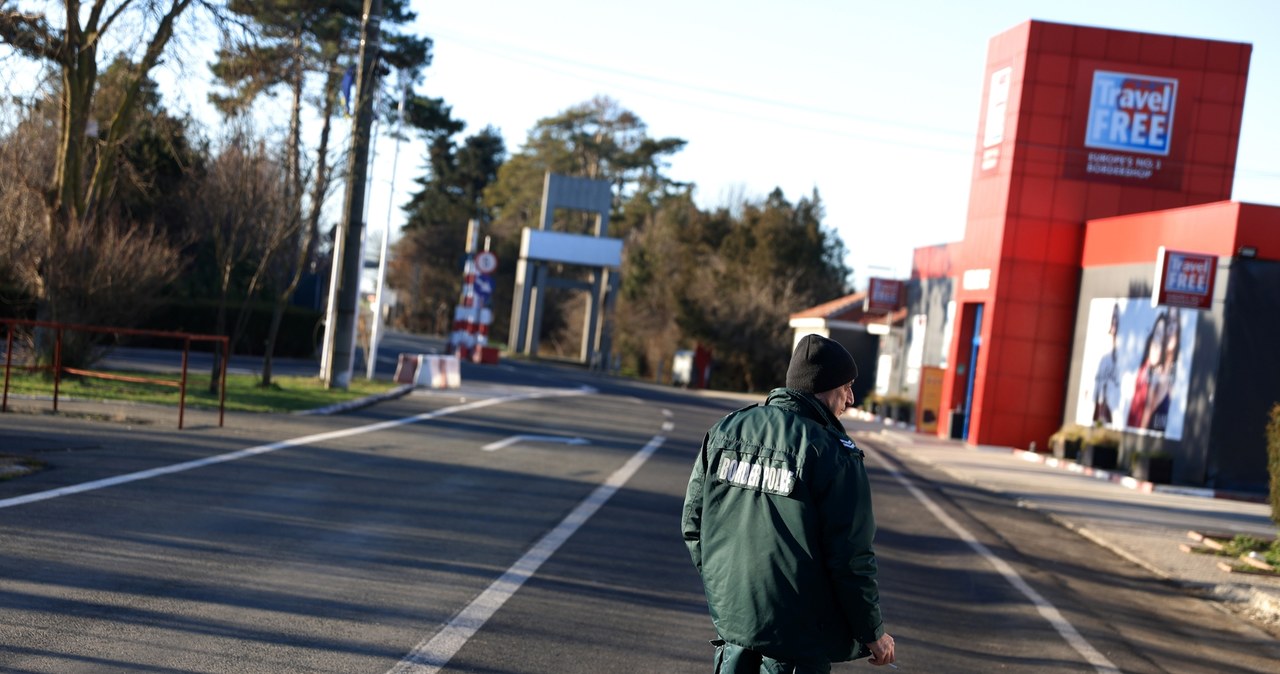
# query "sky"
(874, 104)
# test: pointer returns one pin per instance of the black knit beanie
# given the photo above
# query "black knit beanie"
(820, 364)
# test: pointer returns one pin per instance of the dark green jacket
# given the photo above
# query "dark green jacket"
(778, 521)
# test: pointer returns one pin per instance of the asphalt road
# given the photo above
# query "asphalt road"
(972, 583)
(167, 360)
(391, 540)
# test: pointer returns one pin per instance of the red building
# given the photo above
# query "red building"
(1080, 126)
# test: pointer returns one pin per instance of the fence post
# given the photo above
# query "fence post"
(222, 399)
(8, 358)
(57, 365)
(182, 386)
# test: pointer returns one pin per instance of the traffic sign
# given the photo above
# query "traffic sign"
(486, 262)
(483, 287)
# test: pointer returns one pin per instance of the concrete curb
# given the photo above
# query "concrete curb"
(339, 408)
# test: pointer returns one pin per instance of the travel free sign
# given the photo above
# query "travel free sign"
(1131, 113)
(1123, 129)
(1184, 279)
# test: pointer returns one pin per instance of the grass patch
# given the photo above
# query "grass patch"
(244, 394)
(16, 466)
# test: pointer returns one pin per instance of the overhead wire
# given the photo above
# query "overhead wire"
(563, 67)
(957, 142)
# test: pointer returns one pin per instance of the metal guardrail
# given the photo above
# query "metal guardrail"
(58, 369)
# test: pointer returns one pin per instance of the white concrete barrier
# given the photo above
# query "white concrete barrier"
(429, 369)
(436, 371)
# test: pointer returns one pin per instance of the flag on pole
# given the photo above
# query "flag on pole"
(348, 80)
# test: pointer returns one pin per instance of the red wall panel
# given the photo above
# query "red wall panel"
(1189, 53)
(1259, 227)
(1031, 240)
(1157, 49)
(1061, 283)
(938, 261)
(1124, 47)
(1225, 57)
(1050, 363)
(1219, 228)
(1021, 355)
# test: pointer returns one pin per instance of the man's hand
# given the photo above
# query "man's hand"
(882, 651)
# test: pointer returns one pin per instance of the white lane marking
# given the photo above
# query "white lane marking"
(432, 654)
(265, 449)
(495, 446)
(1046, 609)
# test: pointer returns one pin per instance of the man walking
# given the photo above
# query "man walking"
(778, 521)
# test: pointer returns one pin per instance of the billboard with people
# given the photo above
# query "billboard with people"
(1137, 362)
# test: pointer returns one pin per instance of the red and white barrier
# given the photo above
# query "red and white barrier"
(429, 370)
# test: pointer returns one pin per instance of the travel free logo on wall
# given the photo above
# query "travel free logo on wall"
(1184, 279)
(883, 295)
(1131, 113)
(1128, 130)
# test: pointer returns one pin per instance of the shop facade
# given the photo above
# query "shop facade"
(1102, 156)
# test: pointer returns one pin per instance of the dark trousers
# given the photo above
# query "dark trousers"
(733, 659)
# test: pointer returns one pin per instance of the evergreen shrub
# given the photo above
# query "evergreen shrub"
(296, 338)
(1273, 461)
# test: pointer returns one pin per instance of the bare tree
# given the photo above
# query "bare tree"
(282, 45)
(86, 240)
(84, 169)
(287, 271)
(26, 153)
(277, 45)
(119, 266)
(244, 208)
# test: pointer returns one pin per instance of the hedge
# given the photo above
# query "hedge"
(296, 339)
(1273, 461)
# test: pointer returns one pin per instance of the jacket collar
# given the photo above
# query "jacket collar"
(804, 404)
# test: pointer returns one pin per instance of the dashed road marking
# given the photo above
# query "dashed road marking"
(507, 442)
(433, 653)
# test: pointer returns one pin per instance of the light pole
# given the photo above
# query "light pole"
(345, 287)
(375, 327)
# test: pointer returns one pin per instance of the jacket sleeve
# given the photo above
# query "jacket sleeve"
(848, 528)
(691, 520)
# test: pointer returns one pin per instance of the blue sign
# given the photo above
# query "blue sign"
(1131, 113)
(1188, 273)
(483, 287)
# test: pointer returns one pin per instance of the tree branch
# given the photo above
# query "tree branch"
(30, 34)
(100, 181)
(96, 14)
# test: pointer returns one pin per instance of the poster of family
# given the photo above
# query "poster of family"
(1137, 362)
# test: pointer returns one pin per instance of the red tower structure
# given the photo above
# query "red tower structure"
(1077, 123)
